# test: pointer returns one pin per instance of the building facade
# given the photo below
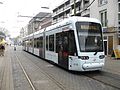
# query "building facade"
(107, 11)
(41, 20)
(24, 31)
(70, 8)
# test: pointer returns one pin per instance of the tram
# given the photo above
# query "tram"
(75, 43)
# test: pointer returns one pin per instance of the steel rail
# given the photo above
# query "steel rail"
(102, 76)
(60, 85)
(25, 73)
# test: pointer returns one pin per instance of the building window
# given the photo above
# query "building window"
(119, 17)
(103, 18)
(46, 42)
(102, 2)
(40, 42)
(105, 37)
(119, 7)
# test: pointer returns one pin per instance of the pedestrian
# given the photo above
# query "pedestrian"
(2, 49)
(14, 48)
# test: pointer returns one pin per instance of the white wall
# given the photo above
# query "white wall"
(112, 11)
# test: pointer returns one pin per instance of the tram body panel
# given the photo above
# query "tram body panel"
(75, 64)
(36, 51)
(52, 56)
(30, 49)
(95, 62)
(41, 52)
(26, 47)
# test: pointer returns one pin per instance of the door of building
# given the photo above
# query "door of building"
(105, 47)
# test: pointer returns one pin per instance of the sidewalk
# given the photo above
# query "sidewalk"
(112, 65)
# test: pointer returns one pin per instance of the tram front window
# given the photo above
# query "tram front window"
(89, 36)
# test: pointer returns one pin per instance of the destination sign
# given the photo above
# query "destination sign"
(89, 27)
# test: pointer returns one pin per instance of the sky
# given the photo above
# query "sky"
(10, 9)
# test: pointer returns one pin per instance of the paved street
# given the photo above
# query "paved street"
(112, 65)
(20, 70)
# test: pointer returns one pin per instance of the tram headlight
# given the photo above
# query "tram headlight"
(102, 56)
(83, 57)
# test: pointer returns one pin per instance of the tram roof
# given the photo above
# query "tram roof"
(66, 21)
(71, 20)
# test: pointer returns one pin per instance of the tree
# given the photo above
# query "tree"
(2, 34)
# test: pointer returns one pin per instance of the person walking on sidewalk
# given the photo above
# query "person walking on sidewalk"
(2, 49)
(14, 47)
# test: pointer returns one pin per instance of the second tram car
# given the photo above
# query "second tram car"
(76, 44)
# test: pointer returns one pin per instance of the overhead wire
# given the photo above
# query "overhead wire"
(88, 6)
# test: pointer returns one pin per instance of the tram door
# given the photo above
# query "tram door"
(62, 48)
(65, 46)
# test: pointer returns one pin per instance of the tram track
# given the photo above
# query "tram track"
(25, 73)
(103, 77)
(107, 78)
(44, 72)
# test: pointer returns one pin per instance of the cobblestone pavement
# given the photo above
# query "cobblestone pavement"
(112, 65)
(44, 76)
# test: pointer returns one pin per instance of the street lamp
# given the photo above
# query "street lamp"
(45, 7)
(36, 24)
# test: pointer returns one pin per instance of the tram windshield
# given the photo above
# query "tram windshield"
(89, 36)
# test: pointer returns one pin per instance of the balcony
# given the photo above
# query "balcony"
(72, 1)
(118, 31)
(67, 7)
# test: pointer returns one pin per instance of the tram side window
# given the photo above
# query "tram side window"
(41, 42)
(65, 42)
(51, 43)
(30, 43)
(46, 42)
(35, 43)
(72, 44)
(58, 42)
(23, 43)
(62, 42)
(26, 43)
(38, 43)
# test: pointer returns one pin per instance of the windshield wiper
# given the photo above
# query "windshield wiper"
(96, 52)
(99, 44)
